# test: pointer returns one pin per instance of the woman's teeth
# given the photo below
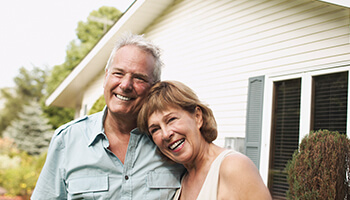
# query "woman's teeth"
(176, 144)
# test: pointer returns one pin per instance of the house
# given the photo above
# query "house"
(270, 70)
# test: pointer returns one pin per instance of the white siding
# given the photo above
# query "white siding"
(93, 91)
(214, 46)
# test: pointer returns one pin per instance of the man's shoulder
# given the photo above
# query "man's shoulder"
(69, 124)
(82, 121)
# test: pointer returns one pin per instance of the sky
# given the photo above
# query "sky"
(37, 32)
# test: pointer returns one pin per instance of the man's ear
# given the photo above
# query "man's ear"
(199, 117)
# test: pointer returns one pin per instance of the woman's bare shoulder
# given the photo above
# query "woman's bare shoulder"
(236, 164)
(239, 176)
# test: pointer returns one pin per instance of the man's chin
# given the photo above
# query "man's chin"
(122, 113)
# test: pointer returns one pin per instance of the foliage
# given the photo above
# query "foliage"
(19, 170)
(20, 178)
(8, 148)
(29, 86)
(12, 106)
(320, 169)
(30, 131)
(88, 34)
(57, 116)
(98, 105)
(97, 24)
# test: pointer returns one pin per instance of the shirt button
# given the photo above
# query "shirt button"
(126, 177)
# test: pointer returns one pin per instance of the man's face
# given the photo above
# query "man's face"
(128, 80)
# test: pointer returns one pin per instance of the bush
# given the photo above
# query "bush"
(320, 169)
(98, 105)
(19, 176)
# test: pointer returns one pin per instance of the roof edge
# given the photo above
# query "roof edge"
(126, 23)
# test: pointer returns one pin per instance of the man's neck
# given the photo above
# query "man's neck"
(117, 130)
(119, 124)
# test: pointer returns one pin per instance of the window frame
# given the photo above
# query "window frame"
(286, 138)
(305, 108)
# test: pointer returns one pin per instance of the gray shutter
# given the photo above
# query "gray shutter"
(254, 118)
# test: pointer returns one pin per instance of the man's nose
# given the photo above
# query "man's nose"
(126, 83)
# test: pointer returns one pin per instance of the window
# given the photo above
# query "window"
(330, 99)
(285, 133)
(327, 102)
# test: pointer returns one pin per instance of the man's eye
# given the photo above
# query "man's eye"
(140, 79)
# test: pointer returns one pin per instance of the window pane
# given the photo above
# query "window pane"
(285, 134)
(330, 102)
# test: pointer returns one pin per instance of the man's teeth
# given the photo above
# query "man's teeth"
(123, 98)
(176, 144)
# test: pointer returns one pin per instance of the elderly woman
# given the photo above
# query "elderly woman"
(183, 129)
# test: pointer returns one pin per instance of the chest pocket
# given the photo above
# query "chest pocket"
(164, 183)
(90, 187)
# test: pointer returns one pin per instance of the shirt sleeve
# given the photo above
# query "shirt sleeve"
(51, 183)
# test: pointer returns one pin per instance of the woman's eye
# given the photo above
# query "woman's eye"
(153, 130)
(171, 119)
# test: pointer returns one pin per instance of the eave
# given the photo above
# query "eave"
(136, 19)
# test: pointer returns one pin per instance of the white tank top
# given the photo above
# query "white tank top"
(210, 186)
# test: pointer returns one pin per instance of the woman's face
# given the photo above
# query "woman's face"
(177, 133)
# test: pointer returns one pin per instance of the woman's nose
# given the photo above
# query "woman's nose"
(167, 134)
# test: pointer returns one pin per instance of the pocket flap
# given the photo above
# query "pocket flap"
(88, 184)
(163, 180)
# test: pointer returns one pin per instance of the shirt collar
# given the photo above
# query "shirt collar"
(136, 131)
(97, 129)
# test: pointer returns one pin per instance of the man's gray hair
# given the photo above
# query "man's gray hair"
(144, 44)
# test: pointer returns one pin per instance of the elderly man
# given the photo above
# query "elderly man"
(104, 155)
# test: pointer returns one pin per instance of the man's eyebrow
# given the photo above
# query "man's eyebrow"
(141, 75)
(117, 69)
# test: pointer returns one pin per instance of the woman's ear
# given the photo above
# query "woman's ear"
(199, 117)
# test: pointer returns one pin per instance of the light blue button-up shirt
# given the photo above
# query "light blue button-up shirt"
(79, 165)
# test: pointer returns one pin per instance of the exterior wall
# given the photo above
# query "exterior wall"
(93, 91)
(214, 46)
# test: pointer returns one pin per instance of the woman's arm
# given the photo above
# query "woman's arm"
(240, 179)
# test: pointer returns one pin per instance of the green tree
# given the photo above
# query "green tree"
(30, 131)
(30, 86)
(12, 106)
(98, 105)
(57, 116)
(99, 21)
(88, 34)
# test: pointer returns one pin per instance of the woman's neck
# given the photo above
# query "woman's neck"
(203, 160)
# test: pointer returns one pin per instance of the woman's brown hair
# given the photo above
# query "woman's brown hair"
(167, 94)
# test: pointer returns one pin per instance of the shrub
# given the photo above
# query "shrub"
(21, 171)
(98, 105)
(320, 168)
